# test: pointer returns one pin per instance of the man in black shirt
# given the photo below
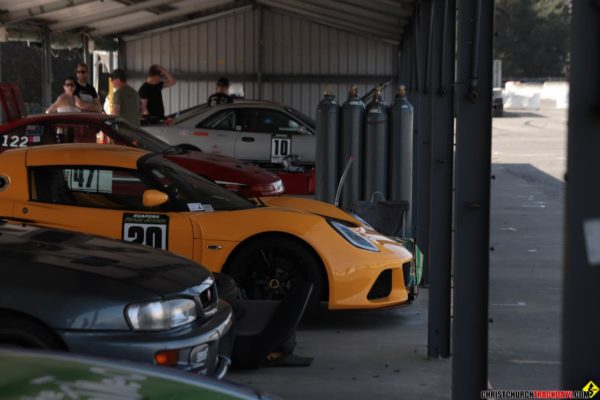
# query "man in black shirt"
(153, 109)
(86, 97)
(222, 95)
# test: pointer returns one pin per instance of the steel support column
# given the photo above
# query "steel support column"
(442, 154)
(261, 52)
(473, 92)
(423, 174)
(85, 50)
(580, 322)
(46, 68)
(122, 55)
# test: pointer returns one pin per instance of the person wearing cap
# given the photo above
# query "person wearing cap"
(126, 100)
(153, 108)
(86, 97)
(222, 95)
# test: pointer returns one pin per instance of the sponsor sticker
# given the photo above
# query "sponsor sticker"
(148, 229)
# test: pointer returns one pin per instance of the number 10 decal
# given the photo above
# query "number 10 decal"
(148, 229)
(280, 148)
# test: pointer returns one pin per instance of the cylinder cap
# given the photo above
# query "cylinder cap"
(328, 91)
(353, 91)
(401, 90)
(377, 95)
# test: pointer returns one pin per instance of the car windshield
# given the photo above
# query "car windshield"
(189, 113)
(188, 191)
(304, 118)
(124, 133)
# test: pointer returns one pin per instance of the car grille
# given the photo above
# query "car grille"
(382, 286)
(208, 299)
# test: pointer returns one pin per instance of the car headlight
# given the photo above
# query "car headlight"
(161, 315)
(360, 219)
(355, 238)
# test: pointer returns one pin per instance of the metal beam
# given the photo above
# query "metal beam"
(388, 9)
(38, 11)
(46, 68)
(261, 51)
(201, 76)
(441, 165)
(199, 6)
(581, 274)
(424, 133)
(378, 17)
(472, 198)
(350, 20)
(238, 7)
(335, 23)
(117, 12)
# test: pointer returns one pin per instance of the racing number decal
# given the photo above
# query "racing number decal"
(281, 146)
(148, 229)
(89, 180)
(13, 141)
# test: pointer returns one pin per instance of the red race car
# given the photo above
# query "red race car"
(246, 179)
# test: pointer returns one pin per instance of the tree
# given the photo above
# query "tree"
(532, 37)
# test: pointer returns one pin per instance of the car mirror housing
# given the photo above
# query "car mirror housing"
(153, 198)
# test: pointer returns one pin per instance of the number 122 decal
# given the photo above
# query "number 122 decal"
(14, 141)
(148, 229)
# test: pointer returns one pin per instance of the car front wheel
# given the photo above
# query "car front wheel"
(268, 267)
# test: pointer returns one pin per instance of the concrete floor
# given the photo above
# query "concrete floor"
(382, 354)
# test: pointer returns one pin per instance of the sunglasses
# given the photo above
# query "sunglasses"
(69, 84)
(81, 71)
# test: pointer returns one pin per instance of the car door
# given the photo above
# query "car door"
(269, 136)
(105, 201)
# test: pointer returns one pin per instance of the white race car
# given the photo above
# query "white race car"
(266, 133)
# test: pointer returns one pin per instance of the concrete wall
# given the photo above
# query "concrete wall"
(533, 96)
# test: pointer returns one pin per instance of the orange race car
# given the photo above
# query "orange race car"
(130, 194)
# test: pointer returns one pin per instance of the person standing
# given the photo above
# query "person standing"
(66, 101)
(222, 94)
(126, 100)
(86, 97)
(153, 108)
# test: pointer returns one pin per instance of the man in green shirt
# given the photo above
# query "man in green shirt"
(126, 100)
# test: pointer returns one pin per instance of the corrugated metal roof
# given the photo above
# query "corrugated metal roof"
(383, 19)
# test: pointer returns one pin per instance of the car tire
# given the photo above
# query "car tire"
(266, 267)
(20, 331)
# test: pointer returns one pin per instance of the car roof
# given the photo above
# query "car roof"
(37, 118)
(84, 154)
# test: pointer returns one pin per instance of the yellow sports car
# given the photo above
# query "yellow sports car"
(130, 194)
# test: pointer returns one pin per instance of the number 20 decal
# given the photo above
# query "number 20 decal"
(14, 141)
(147, 229)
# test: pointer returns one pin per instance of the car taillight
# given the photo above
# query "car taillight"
(271, 188)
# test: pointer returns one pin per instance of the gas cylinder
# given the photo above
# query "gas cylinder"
(401, 150)
(351, 143)
(376, 147)
(327, 151)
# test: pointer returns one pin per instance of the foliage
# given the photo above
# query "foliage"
(532, 37)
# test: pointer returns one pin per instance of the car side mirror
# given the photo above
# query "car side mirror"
(153, 198)
(302, 130)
